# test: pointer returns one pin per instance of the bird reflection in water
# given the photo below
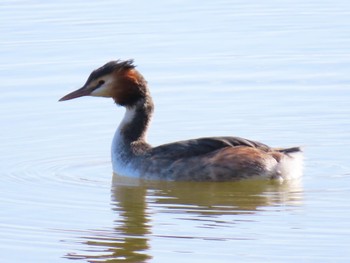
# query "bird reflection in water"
(127, 241)
(133, 199)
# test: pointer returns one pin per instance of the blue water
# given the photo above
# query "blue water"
(273, 71)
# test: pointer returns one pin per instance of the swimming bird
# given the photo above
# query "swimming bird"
(222, 158)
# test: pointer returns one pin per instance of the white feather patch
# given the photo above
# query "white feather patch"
(120, 165)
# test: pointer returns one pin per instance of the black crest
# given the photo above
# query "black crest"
(110, 67)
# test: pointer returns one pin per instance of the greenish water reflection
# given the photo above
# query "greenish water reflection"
(135, 201)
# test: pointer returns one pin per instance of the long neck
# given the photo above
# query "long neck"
(136, 120)
(131, 133)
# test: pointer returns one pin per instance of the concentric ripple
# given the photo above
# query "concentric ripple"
(81, 170)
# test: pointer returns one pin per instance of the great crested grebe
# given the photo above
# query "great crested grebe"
(203, 159)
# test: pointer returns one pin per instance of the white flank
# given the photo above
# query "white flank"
(291, 166)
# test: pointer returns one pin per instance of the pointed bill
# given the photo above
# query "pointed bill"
(84, 91)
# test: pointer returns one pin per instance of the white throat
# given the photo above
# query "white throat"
(128, 117)
(121, 163)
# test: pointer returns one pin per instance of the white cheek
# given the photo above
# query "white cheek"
(104, 90)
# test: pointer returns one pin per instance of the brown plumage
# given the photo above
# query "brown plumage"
(203, 159)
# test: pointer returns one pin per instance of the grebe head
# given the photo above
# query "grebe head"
(116, 79)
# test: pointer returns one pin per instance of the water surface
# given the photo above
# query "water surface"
(277, 72)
